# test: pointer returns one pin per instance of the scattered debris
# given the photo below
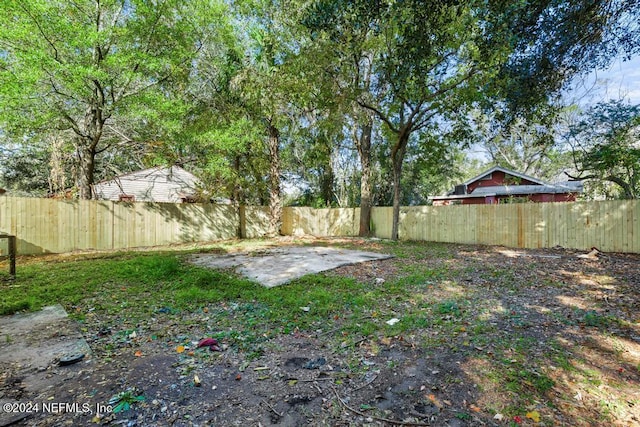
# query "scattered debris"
(71, 359)
(393, 321)
(594, 254)
(381, 419)
(212, 343)
(315, 364)
(382, 380)
(517, 254)
(125, 399)
(534, 416)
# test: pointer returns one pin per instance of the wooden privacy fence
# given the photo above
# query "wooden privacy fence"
(57, 226)
(612, 226)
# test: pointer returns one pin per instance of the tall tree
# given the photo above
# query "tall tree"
(24, 168)
(93, 66)
(528, 144)
(344, 51)
(606, 146)
(424, 63)
(272, 87)
(433, 58)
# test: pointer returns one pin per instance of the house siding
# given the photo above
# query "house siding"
(482, 200)
(508, 185)
(497, 178)
(168, 185)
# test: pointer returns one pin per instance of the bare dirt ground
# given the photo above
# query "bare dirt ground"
(447, 371)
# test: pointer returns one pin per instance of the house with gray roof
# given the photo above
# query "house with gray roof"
(160, 184)
(502, 185)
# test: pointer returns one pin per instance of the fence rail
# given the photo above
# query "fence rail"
(58, 226)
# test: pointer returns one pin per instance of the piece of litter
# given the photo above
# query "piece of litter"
(306, 309)
(315, 364)
(392, 322)
(70, 359)
(207, 342)
(591, 255)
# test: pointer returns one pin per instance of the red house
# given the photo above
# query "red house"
(501, 185)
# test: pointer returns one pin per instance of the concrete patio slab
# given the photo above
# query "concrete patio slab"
(281, 265)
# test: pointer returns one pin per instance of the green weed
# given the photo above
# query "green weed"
(448, 307)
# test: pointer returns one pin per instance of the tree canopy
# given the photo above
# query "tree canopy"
(102, 69)
(606, 147)
(247, 93)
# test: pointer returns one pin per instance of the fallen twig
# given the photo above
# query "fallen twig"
(330, 331)
(312, 380)
(355, 343)
(366, 384)
(272, 409)
(385, 420)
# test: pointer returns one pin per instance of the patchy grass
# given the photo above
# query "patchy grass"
(515, 337)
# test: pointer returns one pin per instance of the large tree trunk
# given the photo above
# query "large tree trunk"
(397, 158)
(275, 199)
(326, 184)
(363, 143)
(238, 202)
(86, 168)
(57, 165)
(87, 139)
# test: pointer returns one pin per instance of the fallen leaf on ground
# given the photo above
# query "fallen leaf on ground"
(533, 415)
(435, 400)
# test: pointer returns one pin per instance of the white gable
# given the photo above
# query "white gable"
(150, 185)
